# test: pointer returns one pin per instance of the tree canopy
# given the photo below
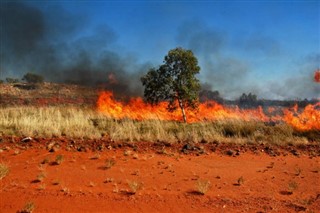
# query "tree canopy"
(174, 81)
(32, 78)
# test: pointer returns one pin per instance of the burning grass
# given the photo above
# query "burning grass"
(88, 123)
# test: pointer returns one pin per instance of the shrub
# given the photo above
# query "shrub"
(12, 80)
(33, 78)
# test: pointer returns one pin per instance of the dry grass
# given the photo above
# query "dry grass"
(203, 186)
(59, 159)
(28, 208)
(240, 181)
(4, 170)
(135, 186)
(88, 123)
(109, 163)
(41, 177)
(292, 186)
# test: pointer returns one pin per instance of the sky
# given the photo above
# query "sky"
(270, 48)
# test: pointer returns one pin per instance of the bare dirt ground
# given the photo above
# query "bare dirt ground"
(95, 176)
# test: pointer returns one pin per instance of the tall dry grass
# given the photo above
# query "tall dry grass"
(87, 123)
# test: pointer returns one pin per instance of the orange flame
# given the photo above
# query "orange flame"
(137, 109)
(308, 119)
(317, 76)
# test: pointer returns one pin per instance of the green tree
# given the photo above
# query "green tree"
(174, 81)
(32, 78)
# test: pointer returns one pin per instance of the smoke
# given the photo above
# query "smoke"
(302, 83)
(234, 73)
(224, 73)
(58, 45)
(66, 47)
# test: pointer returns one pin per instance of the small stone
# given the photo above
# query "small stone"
(230, 152)
(27, 139)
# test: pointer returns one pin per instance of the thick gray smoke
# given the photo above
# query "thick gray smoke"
(232, 76)
(226, 74)
(55, 44)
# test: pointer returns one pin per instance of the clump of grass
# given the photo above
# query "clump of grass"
(65, 190)
(41, 177)
(109, 163)
(42, 186)
(240, 181)
(4, 170)
(45, 161)
(135, 186)
(298, 171)
(59, 159)
(127, 153)
(292, 186)
(203, 186)
(28, 207)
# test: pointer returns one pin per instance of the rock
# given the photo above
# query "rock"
(230, 152)
(238, 152)
(27, 139)
(53, 147)
(186, 148)
(81, 149)
(295, 152)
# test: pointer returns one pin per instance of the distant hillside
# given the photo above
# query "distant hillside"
(17, 94)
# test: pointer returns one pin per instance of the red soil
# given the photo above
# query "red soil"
(81, 183)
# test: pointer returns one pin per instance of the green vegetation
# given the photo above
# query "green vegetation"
(174, 81)
(33, 78)
(12, 80)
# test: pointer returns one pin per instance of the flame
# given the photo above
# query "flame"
(137, 109)
(308, 119)
(317, 76)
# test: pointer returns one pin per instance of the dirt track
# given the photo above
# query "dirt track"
(287, 182)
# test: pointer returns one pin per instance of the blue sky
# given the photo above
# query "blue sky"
(271, 48)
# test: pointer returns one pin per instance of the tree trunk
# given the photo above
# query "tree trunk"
(183, 112)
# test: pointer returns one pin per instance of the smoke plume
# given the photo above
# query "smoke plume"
(54, 43)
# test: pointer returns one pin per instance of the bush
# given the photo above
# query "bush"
(33, 78)
(1, 81)
(12, 80)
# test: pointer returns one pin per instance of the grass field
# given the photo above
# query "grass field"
(88, 123)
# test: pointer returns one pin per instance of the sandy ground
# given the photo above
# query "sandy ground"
(87, 181)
